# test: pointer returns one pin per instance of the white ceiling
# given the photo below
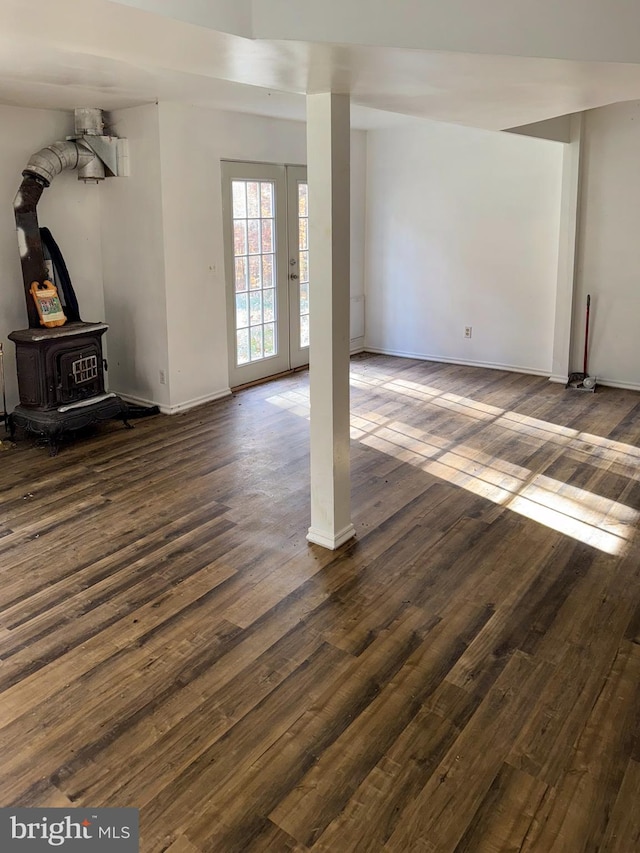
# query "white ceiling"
(96, 53)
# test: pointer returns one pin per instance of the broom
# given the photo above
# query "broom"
(4, 395)
(582, 381)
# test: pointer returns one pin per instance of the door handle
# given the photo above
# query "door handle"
(294, 276)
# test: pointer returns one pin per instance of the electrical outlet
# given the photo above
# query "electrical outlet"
(467, 331)
(163, 377)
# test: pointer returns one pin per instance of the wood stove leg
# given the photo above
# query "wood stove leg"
(54, 444)
(12, 427)
(127, 424)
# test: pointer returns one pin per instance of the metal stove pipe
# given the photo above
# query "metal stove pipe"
(29, 242)
(41, 169)
(50, 161)
(92, 154)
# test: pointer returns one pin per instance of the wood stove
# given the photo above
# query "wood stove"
(61, 381)
(61, 367)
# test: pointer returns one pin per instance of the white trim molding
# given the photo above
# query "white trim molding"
(179, 407)
(331, 542)
(511, 368)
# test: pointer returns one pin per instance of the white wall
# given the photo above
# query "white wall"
(609, 246)
(462, 231)
(358, 236)
(69, 208)
(193, 141)
(133, 258)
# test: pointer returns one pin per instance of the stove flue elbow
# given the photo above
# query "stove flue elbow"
(55, 158)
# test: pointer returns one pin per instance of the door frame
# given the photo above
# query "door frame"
(287, 357)
(299, 356)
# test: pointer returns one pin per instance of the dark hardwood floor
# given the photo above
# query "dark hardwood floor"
(463, 676)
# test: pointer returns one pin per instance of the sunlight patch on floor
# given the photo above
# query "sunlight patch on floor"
(585, 516)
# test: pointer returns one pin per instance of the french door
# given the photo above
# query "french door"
(265, 210)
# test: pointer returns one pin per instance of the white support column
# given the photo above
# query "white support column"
(328, 172)
(569, 224)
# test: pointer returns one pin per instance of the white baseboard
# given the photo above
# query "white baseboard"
(198, 401)
(613, 383)
(136, 401)
(609, 383)
(179, 407)
(328, 540)
(356, 345)
(512, 368)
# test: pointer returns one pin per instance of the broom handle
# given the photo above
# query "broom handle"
(586, 335)
(4, 396)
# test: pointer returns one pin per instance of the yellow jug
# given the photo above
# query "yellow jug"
(48, 304)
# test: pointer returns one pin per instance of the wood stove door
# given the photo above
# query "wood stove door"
(79, 373)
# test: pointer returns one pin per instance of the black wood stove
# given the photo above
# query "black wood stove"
(60, 368)
(61, 381)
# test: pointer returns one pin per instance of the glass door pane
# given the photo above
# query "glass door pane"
(255, 268)
(299, 282)
(303, 242)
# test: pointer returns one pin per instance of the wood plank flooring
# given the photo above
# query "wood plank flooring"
(464, 676)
